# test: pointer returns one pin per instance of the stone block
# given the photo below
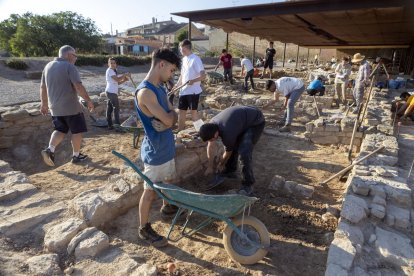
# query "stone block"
(97, 242)
(46, 264)
(15, 115)
(335, 270)
(277, 183)
(310, 126)
(354, 209)
(332, 128)
(395, 248)
(359, 186)
(303, 191)
(58, 237)
(401, 216)
(319, 122)
(379, 200)
(341, 253)
(324, 140)
(378, 211)
(33, 75)
(145, 269)
(397, 191)
(353, 233)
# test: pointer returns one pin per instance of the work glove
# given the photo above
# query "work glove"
(158, 125)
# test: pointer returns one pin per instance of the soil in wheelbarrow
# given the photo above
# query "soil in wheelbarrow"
(299, 236)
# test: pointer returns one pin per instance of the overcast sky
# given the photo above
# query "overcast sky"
(122, 14)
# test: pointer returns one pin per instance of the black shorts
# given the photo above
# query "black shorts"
(269, 63)
(74, 123)
(188, 102)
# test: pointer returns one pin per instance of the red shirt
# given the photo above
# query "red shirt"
(226, 59)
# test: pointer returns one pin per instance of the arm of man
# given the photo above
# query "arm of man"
(82, 92)
(199, 78)
(122, 78)
(211, 152)
(223, 161)
(148, 102)
(44, 105)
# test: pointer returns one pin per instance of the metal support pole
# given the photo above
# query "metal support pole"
(254, 50)
(307, 59)
(284, 56)
(189, 29)
(297, 58)
(227, 42)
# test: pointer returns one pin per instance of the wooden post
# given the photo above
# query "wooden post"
(307, 59)
(284, 56)
(227, 42)
(297, 58)
(189, 29)
(254, 50)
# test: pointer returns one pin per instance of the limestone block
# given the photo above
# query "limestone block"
(4, 167)
(145, 269)
(46, 264)
(341, 253)
(305, 191)
(15, 115)
(397, 191)
(335, 270)
(318, 129)
(324, 140)
(309, 126)
(386, 171)
(387, 129)
(277, 183)
(4, 109)
(187, 164)
(332, 128)
(359, 186)
(401, 216)
(381, 160)
(395, 248)
(354, 209)
(97, 242)
(58, 237)
(378, 211)
(379, 200)
(377, 190)
(353, 233)
(319, 122)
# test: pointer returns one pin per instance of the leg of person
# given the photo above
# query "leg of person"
(359, 95)
(225, 74)
(109, 109)
(294, 97)
(264, 70)
(61, 128)
(344, 87)
(194, 99)
(183, 106)
(245, 150)
(251, 72)
(77, 125)
(230, 167)
(271, 69)
(115, 102)
(245, 81)
(338, 94)
(230, 73)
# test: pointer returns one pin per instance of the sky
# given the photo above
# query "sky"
(122, 14)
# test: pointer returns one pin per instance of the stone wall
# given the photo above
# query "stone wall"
(375, 233)
(325, 131)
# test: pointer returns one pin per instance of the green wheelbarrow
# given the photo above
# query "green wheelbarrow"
(133, 125)
(245, 238)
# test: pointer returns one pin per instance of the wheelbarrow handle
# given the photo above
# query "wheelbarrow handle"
(178, 88)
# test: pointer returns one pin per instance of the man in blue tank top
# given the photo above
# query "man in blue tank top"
(158, 147)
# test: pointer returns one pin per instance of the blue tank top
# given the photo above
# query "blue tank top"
(157, 148)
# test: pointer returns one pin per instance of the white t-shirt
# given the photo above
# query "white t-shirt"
(247, 64)
(191, 68)
(286, 85)
(111, 84)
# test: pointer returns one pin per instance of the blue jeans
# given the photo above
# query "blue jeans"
(244, 148)
(112, 106)
(293, 98)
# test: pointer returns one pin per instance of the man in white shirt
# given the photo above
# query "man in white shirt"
(192, 73)
(247, 65)
(292, 89)
(342, 70)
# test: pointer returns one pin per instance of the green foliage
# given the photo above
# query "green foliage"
(211, 54)
(100, 60)
(36, 35)
(16, 64)
(183, 34)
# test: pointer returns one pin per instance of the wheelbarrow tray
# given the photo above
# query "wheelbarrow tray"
(223, 205)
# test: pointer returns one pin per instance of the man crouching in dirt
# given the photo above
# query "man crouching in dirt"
(59, 89)
(239, 127)
(158, 146)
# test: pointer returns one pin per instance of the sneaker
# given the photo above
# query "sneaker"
(280, 123)
(148, 234)
(285, 128)
(246, 191)
(48, 157)
(169, 209)
(77, 159)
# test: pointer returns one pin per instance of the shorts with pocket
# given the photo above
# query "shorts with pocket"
(160, 173)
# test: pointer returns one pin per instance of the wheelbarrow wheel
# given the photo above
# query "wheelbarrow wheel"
(241, 250)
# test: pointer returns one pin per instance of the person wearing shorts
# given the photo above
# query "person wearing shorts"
(59, 89)
(192, 73)
(270, 53)
(158, 146)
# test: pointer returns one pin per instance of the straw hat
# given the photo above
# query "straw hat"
(358, 57)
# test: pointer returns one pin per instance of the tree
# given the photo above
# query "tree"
(35, 35)
(183, 34)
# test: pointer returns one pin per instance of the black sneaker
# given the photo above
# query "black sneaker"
(48, 157)
(148, 234)
(246, 191)
(77, 159)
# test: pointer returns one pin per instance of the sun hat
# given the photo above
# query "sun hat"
(358, 57)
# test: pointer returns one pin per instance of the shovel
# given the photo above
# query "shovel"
(216, 180)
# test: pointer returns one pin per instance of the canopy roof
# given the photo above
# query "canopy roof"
(319, 23)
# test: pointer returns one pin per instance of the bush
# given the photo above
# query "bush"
(16, 64)
(100, 60)
(211, 54)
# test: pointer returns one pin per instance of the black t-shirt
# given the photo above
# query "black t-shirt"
(270, 53)
(234, 121)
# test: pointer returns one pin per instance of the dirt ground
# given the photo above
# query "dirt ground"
(300, 238)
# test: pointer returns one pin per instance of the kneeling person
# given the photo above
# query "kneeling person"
(239, 128)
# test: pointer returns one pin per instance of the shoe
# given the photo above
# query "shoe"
(48, 157)
(285, 128)
(169, 209)
(148, 234)
(246, 190)
(281, 123)
(77, 159)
